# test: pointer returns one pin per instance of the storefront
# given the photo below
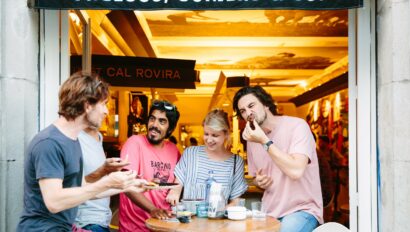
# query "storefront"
(54, 36)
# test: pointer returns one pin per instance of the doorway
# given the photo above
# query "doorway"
(360, 92)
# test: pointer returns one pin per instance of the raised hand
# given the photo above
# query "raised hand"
(114, 164)
(256, 135)
(138, 186)
(121, 180)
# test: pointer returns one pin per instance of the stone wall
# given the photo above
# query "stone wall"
(393, 90)
(19, 104)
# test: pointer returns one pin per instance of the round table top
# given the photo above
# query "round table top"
(214, 225)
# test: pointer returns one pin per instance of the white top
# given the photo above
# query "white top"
(93, 211)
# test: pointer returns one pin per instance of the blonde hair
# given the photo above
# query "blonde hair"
(217, 119)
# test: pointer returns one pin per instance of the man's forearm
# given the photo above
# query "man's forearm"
(96, 175)
(141, 201)
(108, 193)
(67, 198)
(292, 165)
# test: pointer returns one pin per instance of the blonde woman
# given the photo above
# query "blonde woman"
(192, 169)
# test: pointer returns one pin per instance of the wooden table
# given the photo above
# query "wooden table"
(214, 225)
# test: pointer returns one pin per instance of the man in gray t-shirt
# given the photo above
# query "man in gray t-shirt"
(53, 162)
(51, 154)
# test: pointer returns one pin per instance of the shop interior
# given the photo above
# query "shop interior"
(300, 57)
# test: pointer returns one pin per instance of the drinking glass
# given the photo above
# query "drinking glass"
(241, 202)
(257, 211)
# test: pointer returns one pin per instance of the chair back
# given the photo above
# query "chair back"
(331, 227)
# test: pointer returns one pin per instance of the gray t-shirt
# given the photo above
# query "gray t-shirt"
(93, 211)
(50, 154)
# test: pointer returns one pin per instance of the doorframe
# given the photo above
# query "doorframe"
(54, 61)
(363, 177)
(54, 69)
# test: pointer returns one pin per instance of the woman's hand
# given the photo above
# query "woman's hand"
(173, 196)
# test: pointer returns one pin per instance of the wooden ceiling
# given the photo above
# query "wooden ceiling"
(286, 51)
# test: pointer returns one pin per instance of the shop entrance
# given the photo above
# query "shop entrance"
(327, 113)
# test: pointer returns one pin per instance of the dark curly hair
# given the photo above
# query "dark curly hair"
(264, 97)
(78, 89)
(171, 112)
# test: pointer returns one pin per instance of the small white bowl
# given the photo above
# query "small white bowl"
(236, 212)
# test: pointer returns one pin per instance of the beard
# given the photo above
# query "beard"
(91, 123)
(151, 139)
(262, 120)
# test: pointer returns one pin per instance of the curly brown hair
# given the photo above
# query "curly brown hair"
(78, 89)
(264, 97)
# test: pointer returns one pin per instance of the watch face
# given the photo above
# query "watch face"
(266, 145)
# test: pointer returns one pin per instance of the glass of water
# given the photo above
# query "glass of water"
(257, 211)
(241, 202)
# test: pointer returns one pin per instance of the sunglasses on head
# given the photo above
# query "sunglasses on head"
(168, 106)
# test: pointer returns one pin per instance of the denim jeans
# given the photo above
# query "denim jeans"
(299, 221)
(96, 228)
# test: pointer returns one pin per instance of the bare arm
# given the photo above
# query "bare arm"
(57, 198)
(138, 187)
(110, 165)
(293, 165)
(141, 201)
(174, 194)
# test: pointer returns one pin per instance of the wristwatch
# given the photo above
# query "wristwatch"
(266, 145)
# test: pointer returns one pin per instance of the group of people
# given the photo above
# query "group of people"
(68, 181)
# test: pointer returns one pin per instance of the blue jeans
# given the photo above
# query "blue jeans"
(299, 221)
(96, 228)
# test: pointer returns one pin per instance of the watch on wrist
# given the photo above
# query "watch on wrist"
(267, 145)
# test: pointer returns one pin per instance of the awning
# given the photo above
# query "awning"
(194, 4)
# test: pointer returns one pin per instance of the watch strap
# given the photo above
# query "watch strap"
(267, 145)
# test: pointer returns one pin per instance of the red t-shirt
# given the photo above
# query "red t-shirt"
(150, 162)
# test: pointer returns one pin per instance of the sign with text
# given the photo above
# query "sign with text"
(194, 4)
(141, 71)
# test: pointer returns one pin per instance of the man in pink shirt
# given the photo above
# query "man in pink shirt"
(282, 158)
(152, 157)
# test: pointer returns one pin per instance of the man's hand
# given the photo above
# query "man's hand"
(160, 213)
(121, 180)
(262, 181)
(138, 186)
(110, 165)
(114, 165)
(256, 135)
